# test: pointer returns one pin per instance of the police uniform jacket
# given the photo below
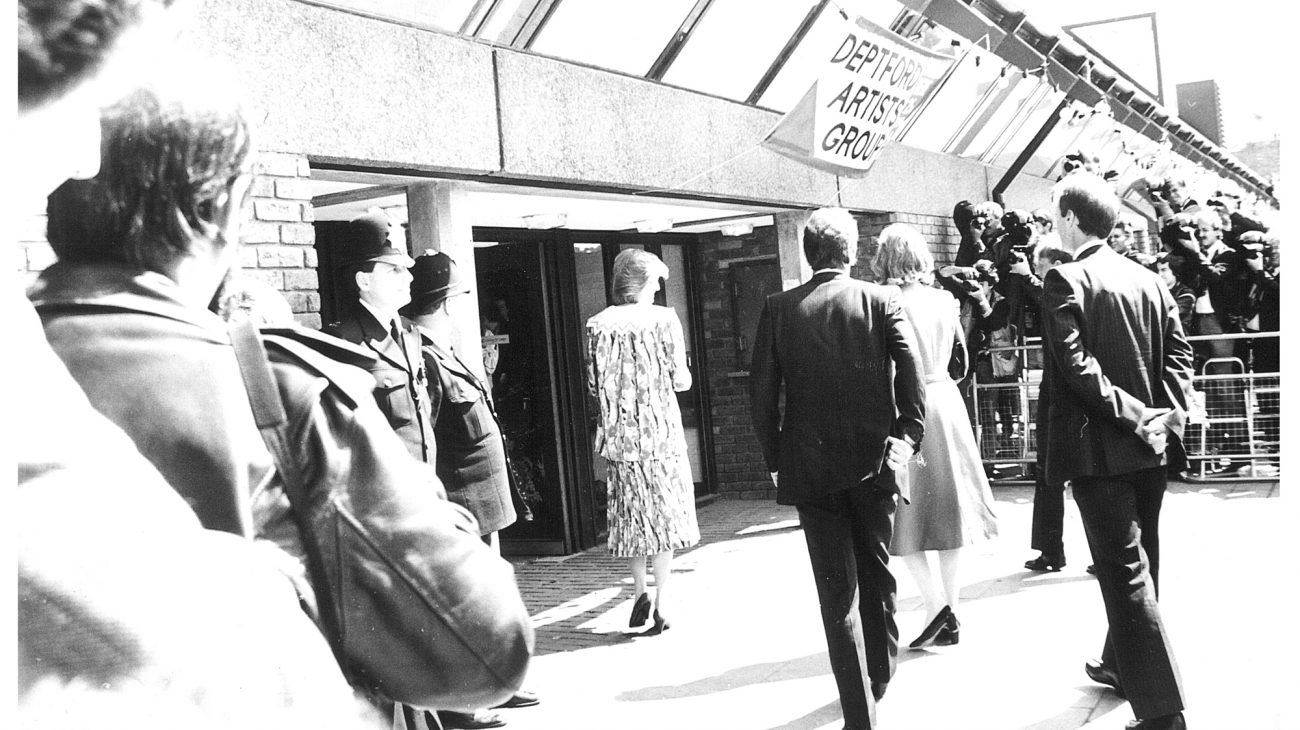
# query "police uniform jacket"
(472, 461)
(401, 385)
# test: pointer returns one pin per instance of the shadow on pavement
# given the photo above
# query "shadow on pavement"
(820, 717)
(805, 667)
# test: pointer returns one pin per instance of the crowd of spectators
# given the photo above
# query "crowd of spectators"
(1218, 259)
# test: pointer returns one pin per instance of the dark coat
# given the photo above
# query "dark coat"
(832, 341)
(401, 384)
(471, 461)
(1113, 344)
(166, 373)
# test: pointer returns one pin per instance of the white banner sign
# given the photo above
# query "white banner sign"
(869, 86)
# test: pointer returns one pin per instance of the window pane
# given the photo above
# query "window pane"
(954, 101)
(733, 45)
(1021, 136)
(446, 15)
(623, 36)
(1005, 107)
(800, 70)
(1072, 134)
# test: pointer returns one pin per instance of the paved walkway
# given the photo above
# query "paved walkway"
(746, 651)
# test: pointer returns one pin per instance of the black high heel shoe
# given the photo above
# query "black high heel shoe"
(950, 633)
(661, 625)
(640, 611)
(927, 636)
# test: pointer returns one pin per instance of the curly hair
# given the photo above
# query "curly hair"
(63, 42)
(168, 160)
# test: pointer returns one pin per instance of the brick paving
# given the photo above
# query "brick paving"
(746, 650)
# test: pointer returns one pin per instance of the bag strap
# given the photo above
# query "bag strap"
(264, 398)
(273, 422)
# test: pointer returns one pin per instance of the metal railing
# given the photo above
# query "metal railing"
(1233, 435)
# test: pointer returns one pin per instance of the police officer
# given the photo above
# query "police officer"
(381, 276)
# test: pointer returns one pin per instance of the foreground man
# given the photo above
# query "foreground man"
(143, 247)
(1116, 384)
(129, 614)
(848, 429)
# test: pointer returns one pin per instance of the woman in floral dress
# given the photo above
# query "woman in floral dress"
(636, 361)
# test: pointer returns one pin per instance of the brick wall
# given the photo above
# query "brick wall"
(938, 231)
(278, 236)
(739, 461)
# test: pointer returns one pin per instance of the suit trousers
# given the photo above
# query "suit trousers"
(1047, 531)
(848, 536)
(1121, 517)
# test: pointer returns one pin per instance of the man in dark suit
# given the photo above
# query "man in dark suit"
(1116, 384)
(381, 276)
(848, 429)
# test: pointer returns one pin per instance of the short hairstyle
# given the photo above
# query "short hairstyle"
(903, 257)
(61, 43)
(1092, 199)
(167, 160)
(830, 238)
(1208, 216)
(990, 210)
(633, 268)
(1043, 216)
(1054, 254)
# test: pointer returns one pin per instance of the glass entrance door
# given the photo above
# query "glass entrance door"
(537, 289)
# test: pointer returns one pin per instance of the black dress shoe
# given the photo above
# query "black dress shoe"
(1175, 721)
(936, 625)
(1042, 564)
(661, 625)
(950, 634)
(522, 698)
(1104, 674)
(640, 611)
(878, 690)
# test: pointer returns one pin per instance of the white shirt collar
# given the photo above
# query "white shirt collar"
(385, 319)
(823, 271)
(1094, 243)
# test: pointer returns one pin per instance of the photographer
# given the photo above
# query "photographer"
(1169, 196)
(1222, 278)
(970, 280)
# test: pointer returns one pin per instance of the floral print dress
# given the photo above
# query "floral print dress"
(636, 361)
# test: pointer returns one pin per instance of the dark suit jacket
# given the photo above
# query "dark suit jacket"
(1113, 343)
(471, 451)
(831, 341)
(400, 380)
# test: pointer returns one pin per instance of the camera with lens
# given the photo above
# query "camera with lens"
(1017, 231)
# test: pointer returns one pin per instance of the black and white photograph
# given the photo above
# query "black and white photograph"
(590, 364)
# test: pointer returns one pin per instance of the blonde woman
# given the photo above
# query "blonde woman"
(636, 361)
(950, 496)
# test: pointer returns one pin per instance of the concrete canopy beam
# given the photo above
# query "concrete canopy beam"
(347, 89)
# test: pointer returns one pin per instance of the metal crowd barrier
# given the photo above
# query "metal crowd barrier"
(1236, 437)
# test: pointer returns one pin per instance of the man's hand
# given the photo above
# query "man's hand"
(1154, 428)
(897, 452)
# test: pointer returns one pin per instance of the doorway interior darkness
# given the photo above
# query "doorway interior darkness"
(562, 276)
